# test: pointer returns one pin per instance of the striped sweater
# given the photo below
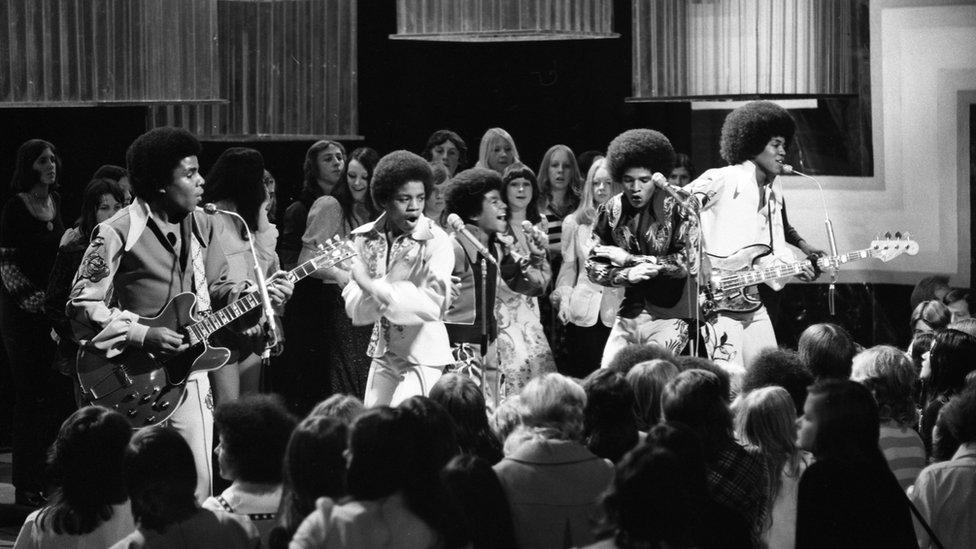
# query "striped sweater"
(904, 451)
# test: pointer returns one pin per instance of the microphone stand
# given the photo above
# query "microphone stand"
(831, 241)
(268, 315)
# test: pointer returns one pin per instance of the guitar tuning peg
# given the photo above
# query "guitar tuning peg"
(907, 236)
(321, 247)
(887, 235)
(898, 235)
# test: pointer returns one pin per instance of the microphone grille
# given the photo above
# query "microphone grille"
(455, 222)
(210, 208)
(527, 225)
(787, 169)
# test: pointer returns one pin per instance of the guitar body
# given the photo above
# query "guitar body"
(741, 300)
(144, 389)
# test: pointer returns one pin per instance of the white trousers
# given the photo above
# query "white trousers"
(194, 420)
(670, 333)
(392, 380)
(747, 334)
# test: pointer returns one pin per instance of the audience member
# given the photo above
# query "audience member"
(396, 498)
(961, 303)
(448, 148)
(765, 420)
(683, 171)
(737, 478)
(506, 418)
(945, 493)
(700, 363)
(848, 497)
(888, 373)
(929, 316)
(931, 287)
(438, 437)
(323, 167)
(779, 368)
(161, 478)
(118, 174)
(609, 418)
(345, 408)
(586, 159)
(648, 379)
(826, 350)
(465, 403)
(966, 325)
(89, 507)
(253, 433)
(314, 467)
(918, 350)
(497, 151)
(633, 354)
(951, 358)
(474, 486)
(553, 482)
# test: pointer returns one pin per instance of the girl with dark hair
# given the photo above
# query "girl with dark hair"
(235, 183)
(30, 229)
(448, 148)
(345, 364)
(314, 467)
(89, 507)
(929, 316)
(473, 484)
(609, 419)
(434, 208)
(323, 167)
(253, 433)
(102, 199)
(586, 308)
(848, 497)
(951, 358)
(465, 403)
(160, 477)
(523, 349)
(683, 171)
(396, 496)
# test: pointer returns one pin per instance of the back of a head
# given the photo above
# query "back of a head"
(890, 376)
(952, 357)
(848, 422)
(765, 418)
(465, 403)
(160, 477)
(827, 350)
(635, 353)
(609, 421)
(959, 416)
(237, 176)
(474, 486)
(345, 408)
(933, 313)
(696, 399)
(382, 452)
(701, 363)
(648, 379)
(554, 403)
(85, 463)
(437, 440)
(966, 326)
(655, 498)
(254, 432)
(782, 368)
(506, 418)
(110, 171)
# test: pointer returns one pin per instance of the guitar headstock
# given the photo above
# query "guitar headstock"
(887, 247)
(332, 252)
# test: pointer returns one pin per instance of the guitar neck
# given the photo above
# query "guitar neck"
(784, 270)
(217, 320)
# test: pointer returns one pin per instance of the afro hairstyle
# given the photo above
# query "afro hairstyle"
(466, 191)
(635, 353)
(641, 148)
(748, 129)
(395, 169)
(154, 155)
(779, 368)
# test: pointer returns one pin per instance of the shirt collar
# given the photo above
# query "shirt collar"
(139, 215)
(421, 232)
(967, 450)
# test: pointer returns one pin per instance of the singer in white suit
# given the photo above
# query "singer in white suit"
(742, 204)
(401, 281)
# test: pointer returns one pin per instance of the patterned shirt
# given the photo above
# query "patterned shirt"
(737, 479)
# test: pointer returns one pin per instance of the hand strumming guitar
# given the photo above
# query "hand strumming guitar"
(160, 340)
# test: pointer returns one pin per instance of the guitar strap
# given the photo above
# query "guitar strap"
(199, 276)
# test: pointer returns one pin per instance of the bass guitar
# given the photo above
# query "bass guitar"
(147, 389)
(731, 287)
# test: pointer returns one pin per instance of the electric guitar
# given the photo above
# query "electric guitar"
(732, 285)
(147, 389)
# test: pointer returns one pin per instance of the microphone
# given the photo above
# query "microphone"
(676, 192)
(456, 223)
(212, 209)
(831, 241)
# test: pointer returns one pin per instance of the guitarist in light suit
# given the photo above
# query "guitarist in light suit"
(742, 204)
(154, 249)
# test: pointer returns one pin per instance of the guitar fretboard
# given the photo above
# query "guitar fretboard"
(751, 278)
(200, 331)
